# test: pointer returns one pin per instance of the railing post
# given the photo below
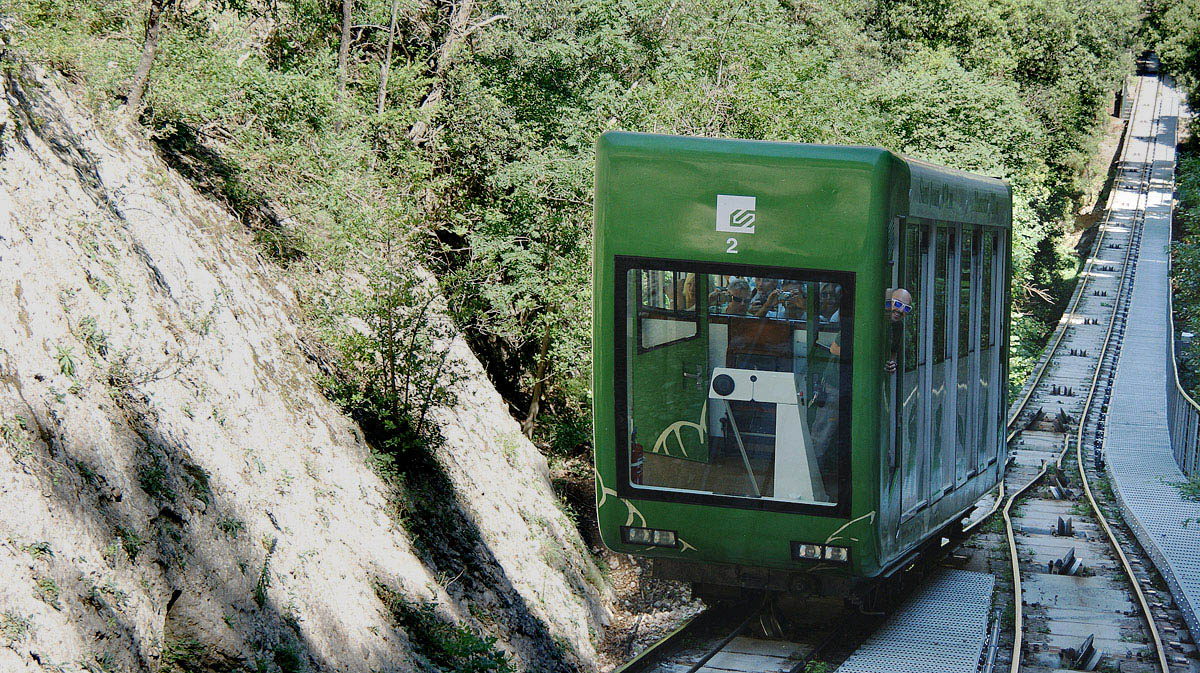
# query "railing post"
(1191, 446)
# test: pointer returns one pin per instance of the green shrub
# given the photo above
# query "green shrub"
(38, 550)
(180, 655)
(154, 478)
(288, 658)
(447, 646)
(131, 542)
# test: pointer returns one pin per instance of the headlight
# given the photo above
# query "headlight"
(805, 551)
(839, 554)
(650, 537)
(808, 552)
(664, 538)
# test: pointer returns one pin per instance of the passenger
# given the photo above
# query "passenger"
(794, 298)
(824, 412)
(688, 300)
(763, 289)
(739, 297)
(720, 293)
(831, 300)
(782, 303)
(670, 292)
(897, 305)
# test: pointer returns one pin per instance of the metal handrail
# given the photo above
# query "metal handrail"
(1183, 419)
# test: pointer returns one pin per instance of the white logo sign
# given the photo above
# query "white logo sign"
(735, 214)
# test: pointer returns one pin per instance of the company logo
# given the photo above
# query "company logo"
(735, 214)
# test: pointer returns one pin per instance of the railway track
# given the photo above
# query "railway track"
(1077, 596)
(1083, 595)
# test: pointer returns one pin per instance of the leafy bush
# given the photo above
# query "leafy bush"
(14, 627)
(446, 646)
(131, 542)
(179, 655)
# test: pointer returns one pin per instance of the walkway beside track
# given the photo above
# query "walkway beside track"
(942, 628)
(1137, 447)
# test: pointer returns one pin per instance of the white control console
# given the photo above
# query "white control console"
(797, 476)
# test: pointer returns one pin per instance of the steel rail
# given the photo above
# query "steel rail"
(714, 651)
(1018, 621)
(1133, 580)
(1019, 613)
(1084, 275)
(653, 654)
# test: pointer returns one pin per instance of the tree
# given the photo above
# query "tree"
(386, 64)
(1176, 28)
(154, 24)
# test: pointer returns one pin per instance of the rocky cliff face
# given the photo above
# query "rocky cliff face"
(175, 489)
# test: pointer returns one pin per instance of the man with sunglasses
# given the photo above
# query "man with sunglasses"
(739, 297)
(897, 305)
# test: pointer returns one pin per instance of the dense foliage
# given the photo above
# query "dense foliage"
(1185, 269)
(1173, 29)
(476, 159)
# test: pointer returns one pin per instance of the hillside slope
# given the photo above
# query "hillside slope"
(176, 489)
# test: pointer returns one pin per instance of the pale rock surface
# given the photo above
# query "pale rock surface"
(167, 460)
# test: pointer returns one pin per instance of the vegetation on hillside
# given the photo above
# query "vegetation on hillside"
(1185, 269)
(368, 140)
(1173, 29)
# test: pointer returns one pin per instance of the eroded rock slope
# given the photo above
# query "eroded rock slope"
(173, 484)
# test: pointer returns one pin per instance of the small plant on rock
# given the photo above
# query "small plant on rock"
(14, 627)
(66, 360)
(17, 437)
(179, 655)
(198, 482)
(264, 577)
(289, 658)
(38, 550)
(130, 541)
(94, 338)
(230, 526)
(446, 645)
(47, 591)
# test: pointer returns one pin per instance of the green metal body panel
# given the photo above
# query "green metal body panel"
(817, 207)
(661, 369)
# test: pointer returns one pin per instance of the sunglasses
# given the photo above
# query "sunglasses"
(897, 304)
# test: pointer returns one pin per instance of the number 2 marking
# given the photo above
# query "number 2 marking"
(732, 249)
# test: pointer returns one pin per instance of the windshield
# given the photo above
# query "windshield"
(736, 381)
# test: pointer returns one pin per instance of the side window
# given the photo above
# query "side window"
(666, 310)
(964, 289)
(985, 293)
(912, 283)
(942, 277)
